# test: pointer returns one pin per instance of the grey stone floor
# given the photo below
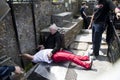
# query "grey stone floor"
(82, 46)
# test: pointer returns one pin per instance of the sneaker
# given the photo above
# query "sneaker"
(90, 53)
(90, 64)
(93, 57)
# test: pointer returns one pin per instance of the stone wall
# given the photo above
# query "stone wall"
(43, 12)
(8, 44)
(25, 29)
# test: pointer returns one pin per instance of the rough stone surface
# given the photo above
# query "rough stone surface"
(25, 27)
(8, 45)
(80, 46)
(43, 9)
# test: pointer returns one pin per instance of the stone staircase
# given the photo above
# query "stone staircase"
(81, 46)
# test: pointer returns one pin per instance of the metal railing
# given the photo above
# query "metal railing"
(114, 44)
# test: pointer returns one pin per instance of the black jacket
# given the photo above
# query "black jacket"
(54, 42)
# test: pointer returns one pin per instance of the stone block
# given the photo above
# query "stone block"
(62, 19)
(44, 71)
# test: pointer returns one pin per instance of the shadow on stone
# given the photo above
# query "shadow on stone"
(81, 68)
(102, 58)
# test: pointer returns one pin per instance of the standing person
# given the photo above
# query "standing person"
(60, 56)
(53, 41)
(98, 22)
(83, 14)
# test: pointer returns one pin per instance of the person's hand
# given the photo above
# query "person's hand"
(86, 6)
(89, 27)
(18, 70)
(118, 15)
(49, 55)
(40, 47)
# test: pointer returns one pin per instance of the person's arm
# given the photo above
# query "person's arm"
(7, 70)
(91, 21)
(84, 14)
(114, 8)
(57, 44)
(57, 47)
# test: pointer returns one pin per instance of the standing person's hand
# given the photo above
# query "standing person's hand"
(118, 15)
(89, 27)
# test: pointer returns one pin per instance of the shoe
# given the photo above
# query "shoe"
(90, 53)
(90, 64)
(93, 57)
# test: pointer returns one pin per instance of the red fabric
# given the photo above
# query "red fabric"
(62, 56)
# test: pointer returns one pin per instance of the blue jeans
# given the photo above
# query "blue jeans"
(97, 30)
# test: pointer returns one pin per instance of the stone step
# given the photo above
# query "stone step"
(88, 31)
(87, 38)
(79, 46)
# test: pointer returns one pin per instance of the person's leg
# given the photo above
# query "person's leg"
(97, 37)
(85, 22)
(64, 56)
(83, 58)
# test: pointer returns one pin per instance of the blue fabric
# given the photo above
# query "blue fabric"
(6, 70)
(97, 30)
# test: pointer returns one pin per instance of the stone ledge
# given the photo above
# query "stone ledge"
(44, 71)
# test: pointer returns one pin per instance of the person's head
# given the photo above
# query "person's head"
(53, 28)
(83, 3)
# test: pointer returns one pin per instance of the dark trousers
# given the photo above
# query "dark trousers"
(97, 30)
(85, 23)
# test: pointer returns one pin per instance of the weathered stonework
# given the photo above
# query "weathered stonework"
(8, 45)
(24, 24)
(43, 9)
(2, 38)
(42, 15)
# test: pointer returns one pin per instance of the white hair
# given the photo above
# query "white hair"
(53, 26)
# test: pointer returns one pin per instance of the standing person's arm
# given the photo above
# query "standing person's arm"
(84, 14)
(117, 11)
(7, 70)
(91, 21)
(114, 8)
